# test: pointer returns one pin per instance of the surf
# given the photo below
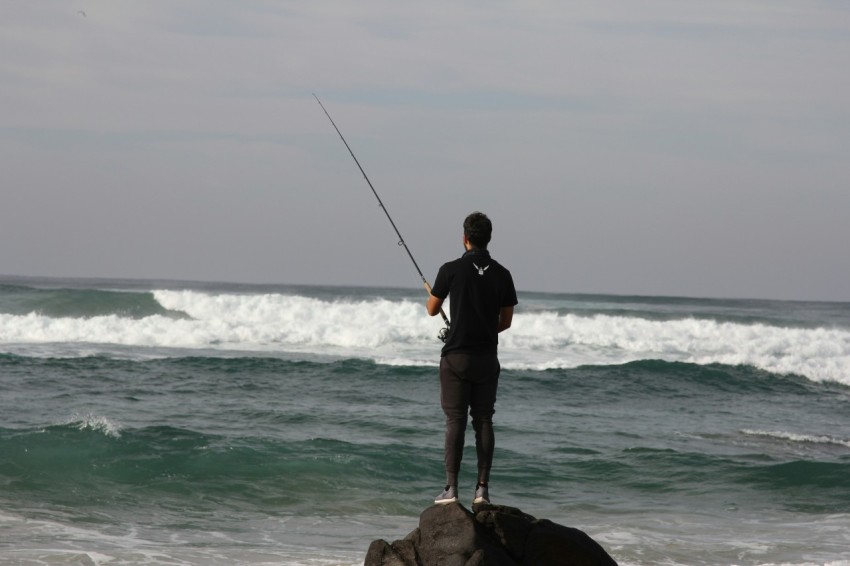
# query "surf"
(389, 327)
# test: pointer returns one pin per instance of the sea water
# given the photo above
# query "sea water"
(146, 422)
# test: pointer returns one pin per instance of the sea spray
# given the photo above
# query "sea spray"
(396, 331)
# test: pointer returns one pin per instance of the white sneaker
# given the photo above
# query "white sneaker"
(449, 495)
(482, 495)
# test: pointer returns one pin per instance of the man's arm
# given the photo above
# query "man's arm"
(506, 315)
(433, 305)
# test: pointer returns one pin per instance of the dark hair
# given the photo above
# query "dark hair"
(477, 228)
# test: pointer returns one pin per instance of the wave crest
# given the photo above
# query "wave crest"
(398, 332)
(96, 423)
(798, 438)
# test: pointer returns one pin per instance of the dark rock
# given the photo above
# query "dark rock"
(449, 535)
(380, 552)
(550, 543)
(496, 535)
(510, 526)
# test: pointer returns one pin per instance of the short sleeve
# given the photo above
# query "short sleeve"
(509, 299)
(440, 289)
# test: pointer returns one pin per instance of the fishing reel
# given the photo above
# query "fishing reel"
(444, 333)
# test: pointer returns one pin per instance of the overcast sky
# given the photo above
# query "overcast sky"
(694, 148)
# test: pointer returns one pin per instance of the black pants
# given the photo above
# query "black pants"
(468, 382)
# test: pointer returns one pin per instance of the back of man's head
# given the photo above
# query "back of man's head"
(477, 228)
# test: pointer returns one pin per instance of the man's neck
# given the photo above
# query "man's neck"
(474, 250)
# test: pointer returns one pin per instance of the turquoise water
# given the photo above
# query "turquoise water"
(189, 423)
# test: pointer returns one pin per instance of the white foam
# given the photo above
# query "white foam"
(399, 332)
(101, 424)
(801, 438)
(30, 540)
(819, 354)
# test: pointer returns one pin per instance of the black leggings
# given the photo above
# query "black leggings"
(468, 382)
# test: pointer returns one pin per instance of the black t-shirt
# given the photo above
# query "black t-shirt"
(477, 287)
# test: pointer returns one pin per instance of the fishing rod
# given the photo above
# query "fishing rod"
(444, 332)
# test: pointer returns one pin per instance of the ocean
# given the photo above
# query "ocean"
(181, 423)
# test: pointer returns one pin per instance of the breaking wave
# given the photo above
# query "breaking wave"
(398, 332)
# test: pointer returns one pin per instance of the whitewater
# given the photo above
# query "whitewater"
(397, 332)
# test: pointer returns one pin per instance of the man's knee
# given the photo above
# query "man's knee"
(483, 419)
(483, 410)
(456, 418)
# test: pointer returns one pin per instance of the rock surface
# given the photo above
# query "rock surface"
(490, 535)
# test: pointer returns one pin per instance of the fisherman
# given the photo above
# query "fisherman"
(481, 298)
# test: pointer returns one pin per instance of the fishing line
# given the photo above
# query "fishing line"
(401, 242)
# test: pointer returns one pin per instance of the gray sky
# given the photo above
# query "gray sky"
(662, 147)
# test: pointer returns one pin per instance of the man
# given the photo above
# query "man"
(482, 298)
